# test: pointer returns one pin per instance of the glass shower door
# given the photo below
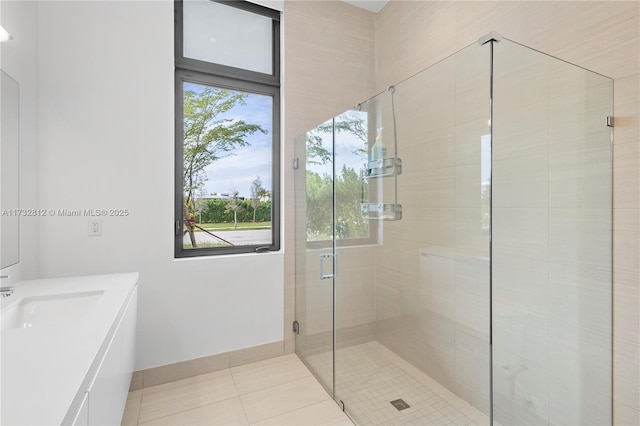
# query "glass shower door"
(314, 223)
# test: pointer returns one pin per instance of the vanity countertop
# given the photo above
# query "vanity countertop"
(45, 366)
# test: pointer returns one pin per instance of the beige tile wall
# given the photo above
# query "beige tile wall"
(600, 36)
(329, 67)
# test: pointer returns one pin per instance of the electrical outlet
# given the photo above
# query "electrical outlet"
(95, 227)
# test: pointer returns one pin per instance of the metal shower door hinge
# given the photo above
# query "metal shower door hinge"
(610, 120)
(296, 327)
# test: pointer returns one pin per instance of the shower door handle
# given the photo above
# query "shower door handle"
(324, 276)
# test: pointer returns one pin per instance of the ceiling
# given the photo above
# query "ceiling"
(372, 5)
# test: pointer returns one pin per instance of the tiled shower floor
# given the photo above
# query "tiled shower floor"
(369, 377)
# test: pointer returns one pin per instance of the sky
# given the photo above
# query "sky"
(346, 146)
(237, 171)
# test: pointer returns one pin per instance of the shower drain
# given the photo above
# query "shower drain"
(400, 404)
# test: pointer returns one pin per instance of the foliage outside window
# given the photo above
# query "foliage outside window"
(349, 153)
(227, 128)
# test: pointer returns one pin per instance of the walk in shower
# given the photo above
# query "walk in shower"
(453, 245)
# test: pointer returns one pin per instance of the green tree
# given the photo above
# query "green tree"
(234, 205)
(257, 191)
(350, 185)
(207, 138)
(348, 122)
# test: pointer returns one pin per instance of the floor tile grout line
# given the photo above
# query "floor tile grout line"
(244, 411)
(238, 394)
(286, 383)
(189, 409)
(290, 411)
(139, 408)
(240, 372)
(185, 379)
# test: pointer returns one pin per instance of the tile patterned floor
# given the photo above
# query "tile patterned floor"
(370, 376)
(282, 391)
(277, 391)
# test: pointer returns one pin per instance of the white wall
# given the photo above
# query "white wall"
(106, 110)
(19, 60)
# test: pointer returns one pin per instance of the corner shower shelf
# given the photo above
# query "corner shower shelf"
(381, 211)
(385, 167)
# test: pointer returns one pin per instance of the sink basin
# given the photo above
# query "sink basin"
(50, 310)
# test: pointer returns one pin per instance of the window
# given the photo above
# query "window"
(227, 128)
(336, 187)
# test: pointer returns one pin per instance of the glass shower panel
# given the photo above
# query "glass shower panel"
(314, 251)
(412, 302)
(551, 240)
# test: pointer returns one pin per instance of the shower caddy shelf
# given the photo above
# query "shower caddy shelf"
(387, 167)
(383, 168)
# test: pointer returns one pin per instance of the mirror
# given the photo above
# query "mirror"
(9, 171)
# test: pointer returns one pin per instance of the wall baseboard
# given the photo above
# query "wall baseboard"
(208, 364)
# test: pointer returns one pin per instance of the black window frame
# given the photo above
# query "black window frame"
(232, 78)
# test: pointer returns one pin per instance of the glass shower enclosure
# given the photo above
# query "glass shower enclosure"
(453, 245)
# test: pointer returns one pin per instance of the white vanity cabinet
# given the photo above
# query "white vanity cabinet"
(68, 349)
(104, 392)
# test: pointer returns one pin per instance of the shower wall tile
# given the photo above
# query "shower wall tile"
(626, 319)
(471, 231)
(572, 130)
(521, 232)
(524, 21)
(525, 127)
(521, 282)
(626, 107)
(625, 415)
(509, 74)
(521, 182)
(580, 179)
(592, 407)
(472, 314)
(430, 188)
(612, 50)
(437, 283)
(471, 275)
(570, 244)
(626, 179)
(426, 103)
(472, 104)
(580, 375)
(468, 141)
(472, 295)
(522, 332)
(468, 186)
(626, 368)
(520, 389)
(436, 226)
(471, 382)
(580, 295)
(436, 149)
(564, 82)
(419, 42)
